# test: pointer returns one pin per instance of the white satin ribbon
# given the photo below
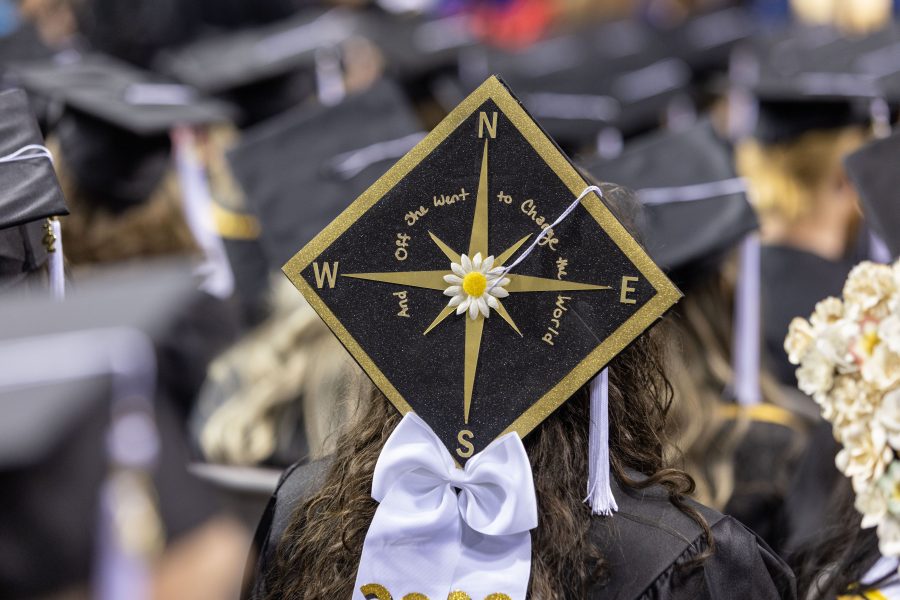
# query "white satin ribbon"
(439, 528)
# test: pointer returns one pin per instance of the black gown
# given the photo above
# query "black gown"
(647, 544)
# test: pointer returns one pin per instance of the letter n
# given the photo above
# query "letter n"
(484, 122)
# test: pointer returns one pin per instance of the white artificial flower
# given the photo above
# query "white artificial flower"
(816, 373)
(865, 454)
(888, 416)
(827, 311)
(889, 486)
(872, 504)
(882, 368)
(799, 339)
(868, 289)
(889, 332)
(889, 536)
(474, 285)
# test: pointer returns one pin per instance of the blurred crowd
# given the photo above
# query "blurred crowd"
(158, 372)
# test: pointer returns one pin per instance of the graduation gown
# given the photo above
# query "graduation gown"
(646, 545)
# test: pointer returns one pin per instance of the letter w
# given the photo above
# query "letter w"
(328, 271)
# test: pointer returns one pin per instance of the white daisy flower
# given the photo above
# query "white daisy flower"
(474, 285)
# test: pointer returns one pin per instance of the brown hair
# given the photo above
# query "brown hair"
(786, 178)
(705, 436)
(92, 234)
(319, 552)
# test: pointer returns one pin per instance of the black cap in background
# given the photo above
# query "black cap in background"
(29, 192)
(301, 169)
(694, 208)
(265, 69)
(114, 129)
(875, 171)
(54, 451)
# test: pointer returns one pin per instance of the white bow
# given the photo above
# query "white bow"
(427, 539)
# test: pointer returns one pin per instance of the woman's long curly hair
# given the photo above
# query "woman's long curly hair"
(320, 550)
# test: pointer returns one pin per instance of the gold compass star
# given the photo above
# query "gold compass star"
(478, 243)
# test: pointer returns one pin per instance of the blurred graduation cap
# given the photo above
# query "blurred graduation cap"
(615, 76)
(115, 122)
(694, 207)
(812, 78)
(29, 193)
(266, 69)
(301, 169)
(873, 170)
(416, 46)
(72, 436)
(695, 212)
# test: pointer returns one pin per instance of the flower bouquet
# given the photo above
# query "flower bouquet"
(848, 354)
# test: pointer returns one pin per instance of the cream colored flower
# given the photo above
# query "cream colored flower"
(865, 454)
(816, 373)
(474, 286)
(889, 332)
(888, 416)
(799, 340)
(872, 504)
(889, 536)
(850, 400)
(827, 312)
(835, 342)
(882, 368)
(868, 289)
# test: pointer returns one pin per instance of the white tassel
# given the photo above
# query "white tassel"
(745, 351)
(57, 269)
(599, 489)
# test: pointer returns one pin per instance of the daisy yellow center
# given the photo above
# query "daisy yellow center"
(474, 284)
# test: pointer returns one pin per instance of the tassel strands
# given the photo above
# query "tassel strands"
(599, 488)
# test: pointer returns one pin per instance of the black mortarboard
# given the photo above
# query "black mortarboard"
(694, 206)
(388, 275)
(120, 95)
(30, 192)
(617, 75)
(414, 46)
(809, 81)
(265, 70)
(301, 169)
(55, 447)
(114, 133)
(874, 171)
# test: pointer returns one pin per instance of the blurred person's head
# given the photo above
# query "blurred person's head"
(801, 181)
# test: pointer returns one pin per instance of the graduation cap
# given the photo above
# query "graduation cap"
(694, 207)
(70, 432)
(809, 80)
(30, 193)
(264, 69)
(615, 76)
(695, 212)
(437, 227)
(873, 171)
(301, 169)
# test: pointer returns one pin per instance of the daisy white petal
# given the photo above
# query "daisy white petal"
(483, 307)
(493, 302)
(498, 292)
(453, 279)
(504, 282)
(455, 300)
(473, 309)
(464, 305)
(453, 290)
(457, 268)
(466, 264)
(476, 262)
(488, 264)
(496, 272)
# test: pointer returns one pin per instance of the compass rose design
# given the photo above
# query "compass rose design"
(478, 246)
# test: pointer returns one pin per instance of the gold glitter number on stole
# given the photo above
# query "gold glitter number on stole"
(374, 591)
